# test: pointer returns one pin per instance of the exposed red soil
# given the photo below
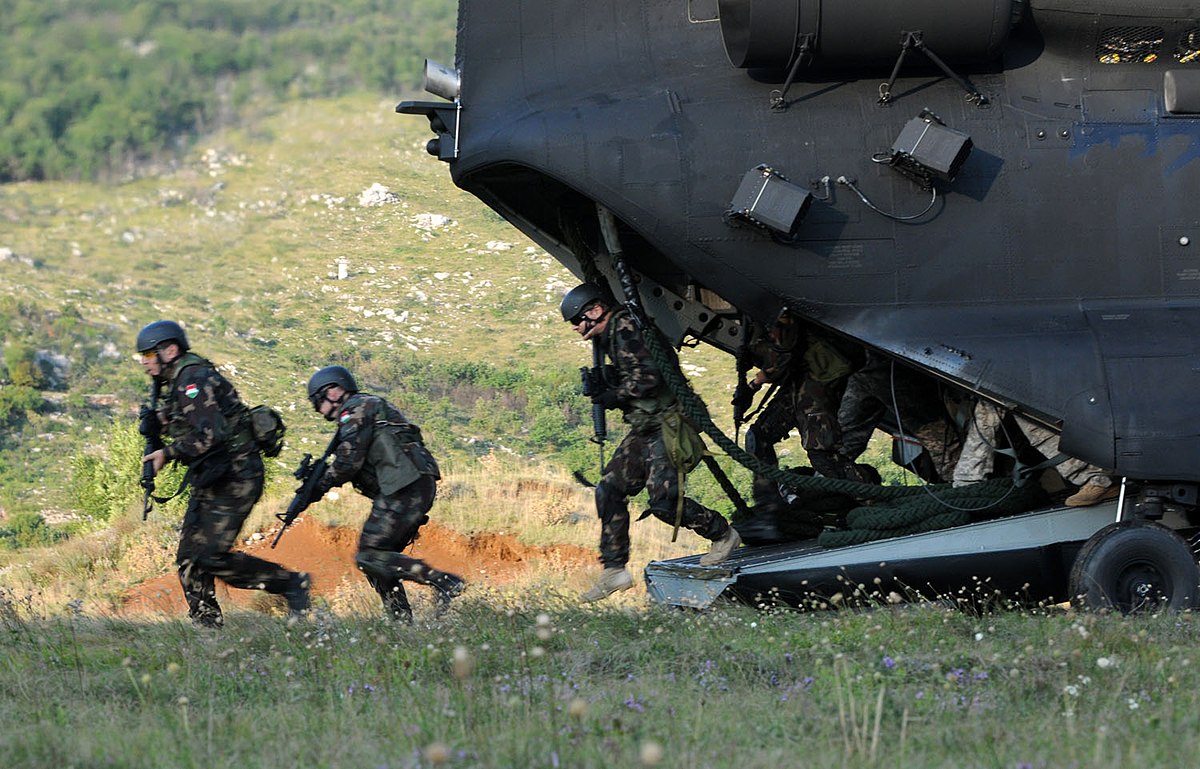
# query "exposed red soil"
(327, 554)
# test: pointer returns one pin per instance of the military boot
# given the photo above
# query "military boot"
(611, 580)
(446, 586)
(721, 548)
(297, 594)
(1092, 494)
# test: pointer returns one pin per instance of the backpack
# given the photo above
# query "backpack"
(267, 428)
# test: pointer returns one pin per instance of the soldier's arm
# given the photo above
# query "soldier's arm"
(195, 395)
(356, 428)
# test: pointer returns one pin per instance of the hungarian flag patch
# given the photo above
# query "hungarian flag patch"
(191, 391)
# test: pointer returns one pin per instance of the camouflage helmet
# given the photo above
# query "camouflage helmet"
(328, 377)
(577, 299)
(154, 335)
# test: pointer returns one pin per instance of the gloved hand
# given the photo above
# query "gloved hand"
(607, 399)
(148, 424)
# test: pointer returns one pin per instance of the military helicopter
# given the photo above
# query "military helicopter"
(1000, 194)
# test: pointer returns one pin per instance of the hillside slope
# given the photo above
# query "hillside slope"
(444, 306)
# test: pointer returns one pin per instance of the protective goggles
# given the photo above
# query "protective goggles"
(318, 397)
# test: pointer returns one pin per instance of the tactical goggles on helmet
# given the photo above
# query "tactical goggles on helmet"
(319, 396)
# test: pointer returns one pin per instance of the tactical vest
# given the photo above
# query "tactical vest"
(233, 431)
(397, 456)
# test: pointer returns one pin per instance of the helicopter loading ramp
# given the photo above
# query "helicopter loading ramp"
(1025, 558)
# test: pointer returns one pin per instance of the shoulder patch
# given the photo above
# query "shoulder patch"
(345, 417)
(191, 391)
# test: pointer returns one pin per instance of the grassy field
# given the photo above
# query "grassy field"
(525, 678)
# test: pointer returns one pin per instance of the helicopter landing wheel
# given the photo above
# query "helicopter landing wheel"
(1135, 567)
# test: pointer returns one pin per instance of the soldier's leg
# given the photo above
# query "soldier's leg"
(393, 524)
(978, 449)
(819, 433)
(859, 412)
(773, 424)
(228, 504)
(662, 486)
(624, 475)
(197, 584)
(942, 443)
(1073, 470)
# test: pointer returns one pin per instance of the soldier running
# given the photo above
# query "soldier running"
(209, 431)
(383, 455)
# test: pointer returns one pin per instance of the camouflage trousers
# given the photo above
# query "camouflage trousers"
(810, 407)
(210, 529)
(393, 524)
(862, 409)
(641, 462)
(979, 449)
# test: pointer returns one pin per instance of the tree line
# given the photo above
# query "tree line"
(92, 88)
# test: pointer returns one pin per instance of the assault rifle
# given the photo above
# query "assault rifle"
(309, 473)
(151, 430)
(593, 382)
(743, 393)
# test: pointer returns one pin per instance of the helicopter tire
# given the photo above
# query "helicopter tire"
(1135, 567)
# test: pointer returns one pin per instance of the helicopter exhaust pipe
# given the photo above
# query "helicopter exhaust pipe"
(442, 81)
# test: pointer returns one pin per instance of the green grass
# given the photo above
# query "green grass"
(529, 680)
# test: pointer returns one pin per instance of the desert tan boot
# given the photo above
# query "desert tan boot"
(611, 580)
(1092, 494)
(721, 548)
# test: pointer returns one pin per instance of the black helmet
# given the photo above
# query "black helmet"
(328, 377)
(154, 335)
(578, 298)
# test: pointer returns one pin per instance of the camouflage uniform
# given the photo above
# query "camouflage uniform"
(805, 399)
(382, 454)
(979, 449)
(641, 460)
(209, 428)
(876, 390)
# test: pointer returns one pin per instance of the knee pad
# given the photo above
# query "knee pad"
(753, 441)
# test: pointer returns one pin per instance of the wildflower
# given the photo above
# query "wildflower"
(172, 667)
(651, 753)
(462, 664)
(889, 663)
(577, 708)
(543, 620)
(1105, 662)
(1133, 704)
(437, 753)
(182, 701)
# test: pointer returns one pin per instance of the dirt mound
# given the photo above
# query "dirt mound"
(327, 553)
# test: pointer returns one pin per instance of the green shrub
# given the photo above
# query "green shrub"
(16, 401)
(27, 530)
(23, 371)
(106, 483)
